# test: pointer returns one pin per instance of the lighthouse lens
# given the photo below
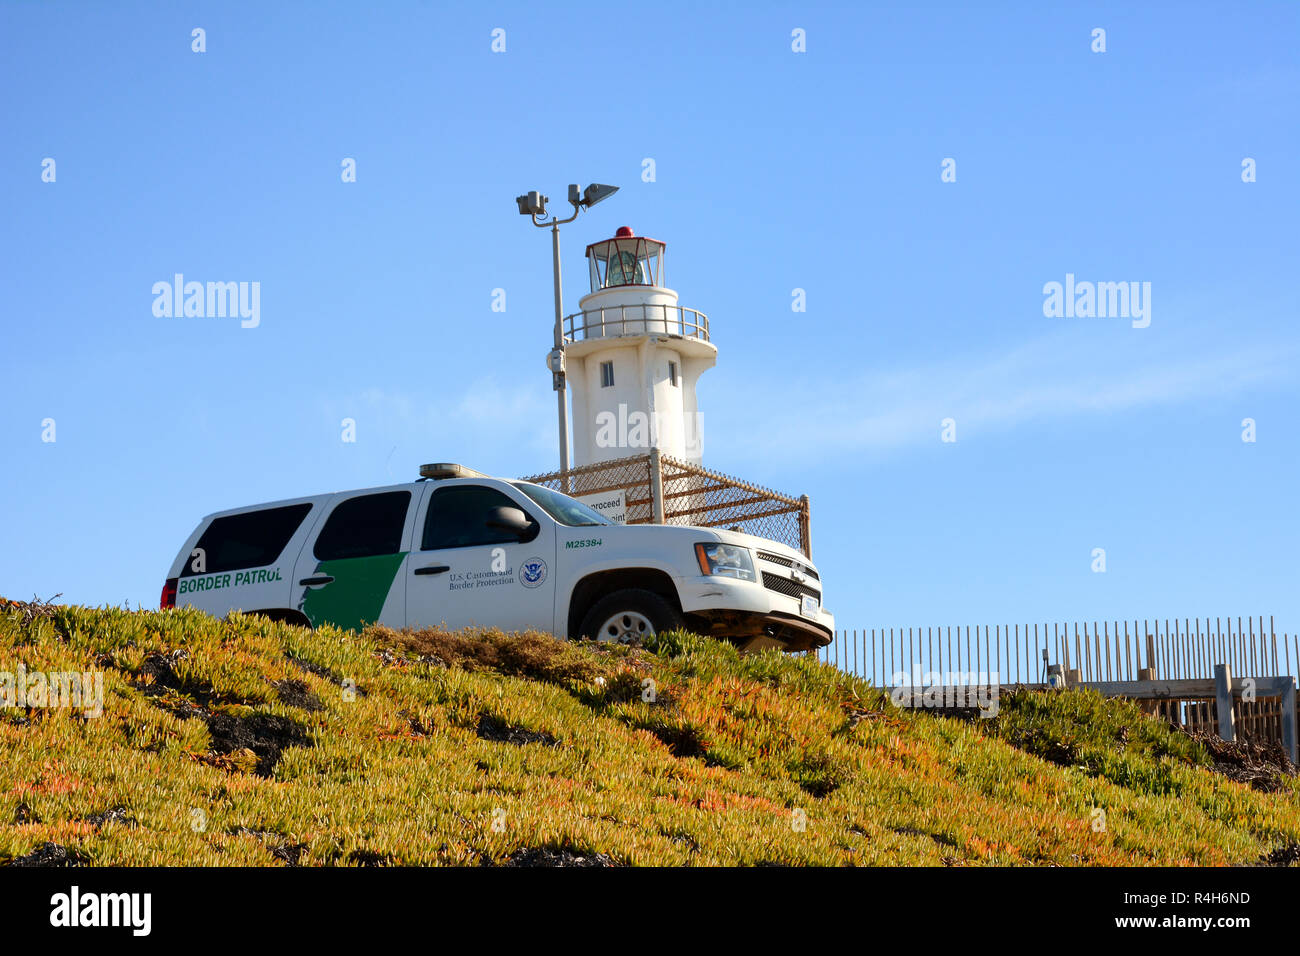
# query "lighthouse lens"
(625, 269)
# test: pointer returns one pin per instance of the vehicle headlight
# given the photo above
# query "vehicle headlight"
(725, 560)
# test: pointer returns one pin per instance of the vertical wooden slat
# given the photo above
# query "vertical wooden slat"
(1096, 640)
(1232, 649)
(1240, 636)
(1208, 663)
(1105, 625)
(1254, 669)
(1223, 643)
(1036, 656)
(988, 660)
(1119, 660)
(1128, 654)
(1202, 650)
(1090, 643)
(1273, 640)
(1078, 656)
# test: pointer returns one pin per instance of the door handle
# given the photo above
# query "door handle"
(432, 569)
(318, 579)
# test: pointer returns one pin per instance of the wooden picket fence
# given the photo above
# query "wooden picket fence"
(1168, 666)
(1172, 649)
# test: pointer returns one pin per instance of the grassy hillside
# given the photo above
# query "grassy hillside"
(250, 742)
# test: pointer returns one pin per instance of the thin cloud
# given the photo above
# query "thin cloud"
(1047, 380)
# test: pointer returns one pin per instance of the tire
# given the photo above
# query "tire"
(629, 615)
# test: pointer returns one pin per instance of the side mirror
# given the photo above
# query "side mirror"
(514, 521)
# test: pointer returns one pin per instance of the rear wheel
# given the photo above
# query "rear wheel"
(630, 615)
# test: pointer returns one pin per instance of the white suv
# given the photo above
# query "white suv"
(458, 548)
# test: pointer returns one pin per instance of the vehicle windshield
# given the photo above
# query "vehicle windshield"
(565, 510)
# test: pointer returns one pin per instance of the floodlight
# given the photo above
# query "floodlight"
(532, 204)
(597, 192)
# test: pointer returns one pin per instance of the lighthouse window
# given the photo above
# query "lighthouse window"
(625, 269)
(606, 374)
(672, 373)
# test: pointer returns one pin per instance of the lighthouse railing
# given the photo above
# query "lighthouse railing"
(636, 319)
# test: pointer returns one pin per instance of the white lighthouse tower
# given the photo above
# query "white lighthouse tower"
(633, 356)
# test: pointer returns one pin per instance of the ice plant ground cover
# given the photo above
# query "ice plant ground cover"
(246, 741)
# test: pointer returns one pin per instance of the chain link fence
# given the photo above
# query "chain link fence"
(660, 489)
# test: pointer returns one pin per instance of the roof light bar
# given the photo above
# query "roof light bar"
(448, 469)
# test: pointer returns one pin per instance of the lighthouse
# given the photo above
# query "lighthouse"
(633, 357)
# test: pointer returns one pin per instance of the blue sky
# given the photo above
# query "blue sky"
(775, 170)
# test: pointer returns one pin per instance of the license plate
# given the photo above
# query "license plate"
(808, 606)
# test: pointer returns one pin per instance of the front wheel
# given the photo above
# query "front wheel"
(630, 615)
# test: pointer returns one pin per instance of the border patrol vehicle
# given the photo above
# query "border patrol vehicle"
(458, 549)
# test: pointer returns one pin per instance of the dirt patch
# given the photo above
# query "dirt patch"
(940, 838)
(296, 693)
(818, 786)
(1264, 765)
(1284, 855)
(276, 843)
(114, 815)
(51, 854)
(266, 735)
(369, 858)
(530, 654)
(558, 856)
(25, 814)
(682, 740)
(497, 730)
(157, 678)
(311, 667)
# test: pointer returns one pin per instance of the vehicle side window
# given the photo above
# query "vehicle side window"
(252, 539)
(364, 526)
(458, 517)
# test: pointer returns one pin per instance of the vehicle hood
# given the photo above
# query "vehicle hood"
(672, 536)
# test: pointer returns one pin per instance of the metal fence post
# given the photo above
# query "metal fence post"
(805, 525)
(1288, 719)
(1223, 702)
(656, 485)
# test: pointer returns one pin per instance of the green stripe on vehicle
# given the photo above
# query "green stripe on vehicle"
(357, 594)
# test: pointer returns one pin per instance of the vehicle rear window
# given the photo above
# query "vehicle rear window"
(251, 539)
(364, 526)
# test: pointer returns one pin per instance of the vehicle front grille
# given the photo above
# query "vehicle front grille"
(787, 563)
(774, 582)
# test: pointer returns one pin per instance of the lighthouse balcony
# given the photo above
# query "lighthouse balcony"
(636, 319)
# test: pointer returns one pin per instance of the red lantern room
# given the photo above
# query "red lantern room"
(626, 260)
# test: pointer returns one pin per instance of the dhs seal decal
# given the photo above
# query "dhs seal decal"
(532, 573)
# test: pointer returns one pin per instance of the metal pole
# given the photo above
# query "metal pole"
(560, 396)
